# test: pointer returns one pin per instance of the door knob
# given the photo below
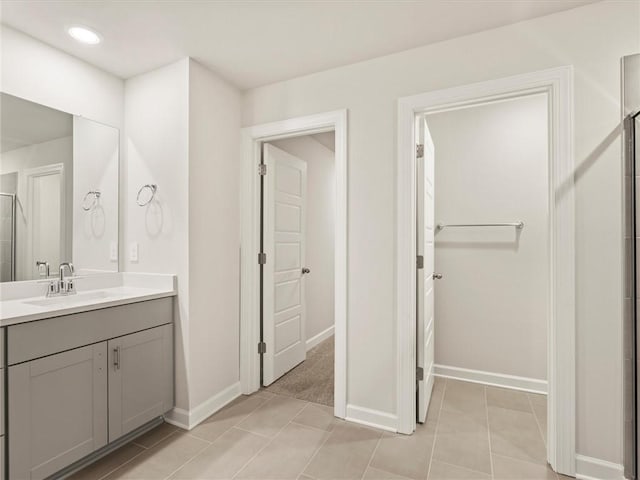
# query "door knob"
(437, 276)
(305, 270)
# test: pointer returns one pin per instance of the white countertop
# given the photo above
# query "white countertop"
(26, 302)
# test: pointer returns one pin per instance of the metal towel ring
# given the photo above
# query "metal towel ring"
(91, 193)
(151, 186)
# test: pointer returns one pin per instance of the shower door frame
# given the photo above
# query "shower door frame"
(557, 83)
(13, 234)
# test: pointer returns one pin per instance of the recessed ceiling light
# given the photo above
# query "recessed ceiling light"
(84, 35)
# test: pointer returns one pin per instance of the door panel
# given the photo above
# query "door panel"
(57, 411)
(284, 243)
(140, 379)
(425, 282)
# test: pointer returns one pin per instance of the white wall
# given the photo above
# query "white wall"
(491, 306)
(37, 155)
(592, 39)
(321, 194)
(157, 152)
(95, 162)
(214, 234)
(38, 72)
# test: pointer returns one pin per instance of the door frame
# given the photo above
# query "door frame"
(557, 83)
(29, 175)
(252, 138)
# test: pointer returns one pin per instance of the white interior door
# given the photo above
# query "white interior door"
(425, 276)
(284, 231)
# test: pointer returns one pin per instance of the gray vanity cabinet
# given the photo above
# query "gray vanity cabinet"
(73, 384)
(140, 379)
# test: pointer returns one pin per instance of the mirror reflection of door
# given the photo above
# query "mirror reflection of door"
(46, 217)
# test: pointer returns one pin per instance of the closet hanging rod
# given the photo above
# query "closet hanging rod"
(518, 225)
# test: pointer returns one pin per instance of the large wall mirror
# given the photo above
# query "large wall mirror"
(58, 192)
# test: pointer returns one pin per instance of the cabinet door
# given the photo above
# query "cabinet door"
(57, 411)
(140, 379)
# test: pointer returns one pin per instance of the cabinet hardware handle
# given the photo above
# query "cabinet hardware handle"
(116, 358)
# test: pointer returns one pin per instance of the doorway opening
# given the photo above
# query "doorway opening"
(297, 311)
(554, 86)
(483, 281)
(294, 287)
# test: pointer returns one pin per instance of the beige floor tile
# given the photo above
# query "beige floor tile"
(515, 434)
(228, 417)
(161, 460)
(376, 474)
(317, 416)
(345, 454)
(436, 400)
(406, 455)
(540, 411)
(305, 477)
(445, 471)
(108, 463)
(463, 440)
(269, 418)
(224, 457)
(464, 397)
(538, 399)
(286, 456)
(505, 398)
(156, 435)
(512, 469)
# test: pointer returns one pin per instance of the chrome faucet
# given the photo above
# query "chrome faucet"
(39, 264)
(62, 286)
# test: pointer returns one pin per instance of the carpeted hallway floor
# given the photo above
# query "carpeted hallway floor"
(312, 380)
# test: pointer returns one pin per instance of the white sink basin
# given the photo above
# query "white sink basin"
(70, 299)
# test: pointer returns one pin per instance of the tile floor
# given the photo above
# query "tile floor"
(472, 432)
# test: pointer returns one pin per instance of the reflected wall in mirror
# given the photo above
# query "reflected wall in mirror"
(58, 192)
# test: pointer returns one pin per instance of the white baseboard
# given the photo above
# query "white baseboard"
(189, 419)
(589, 468)
(532, 385)
(372, 418)
(315, 340)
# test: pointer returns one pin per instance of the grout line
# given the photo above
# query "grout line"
(486, 409)
(435, 432)
(328, 434)
(375, 449)
(267, 443)
(261, 435)
(188, 461)
(538, 423)
(129, 460)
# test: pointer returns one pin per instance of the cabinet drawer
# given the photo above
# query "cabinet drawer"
(28, 341)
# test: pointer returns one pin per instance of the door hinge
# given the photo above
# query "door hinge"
(420, 262)
(262, 258)
(262, 348)
(262, 169)
(419, 373)
(420, 150)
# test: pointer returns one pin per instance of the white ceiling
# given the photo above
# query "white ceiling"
(25, 123)
(253, 43)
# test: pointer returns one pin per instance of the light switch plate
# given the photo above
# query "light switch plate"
(113, 251)
(133, 252)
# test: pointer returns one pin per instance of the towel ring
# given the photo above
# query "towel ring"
(94, 201)
(149, 186)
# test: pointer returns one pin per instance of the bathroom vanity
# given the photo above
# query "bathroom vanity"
(81, 374)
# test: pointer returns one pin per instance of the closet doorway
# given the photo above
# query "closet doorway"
(470, 239)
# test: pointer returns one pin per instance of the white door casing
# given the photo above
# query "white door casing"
(425, 209)
(284, 233)
(557, 83)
